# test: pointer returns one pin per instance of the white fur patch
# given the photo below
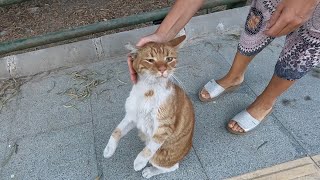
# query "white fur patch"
(110, 148)
(143, 110)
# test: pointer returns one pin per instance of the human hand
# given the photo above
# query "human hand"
(290, 15)
(133, 73)
(156, 37)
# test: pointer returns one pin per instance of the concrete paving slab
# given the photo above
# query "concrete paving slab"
(63, 154)
(41, 108)
(7, 115)
(3, 153)
(298, 110)
(4, 133)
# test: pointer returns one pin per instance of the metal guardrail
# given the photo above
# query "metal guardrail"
(25, 43)
(9, 2)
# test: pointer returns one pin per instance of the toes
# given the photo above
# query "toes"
(231, 123)
(205, 94)
(234, 126)
(237, 128)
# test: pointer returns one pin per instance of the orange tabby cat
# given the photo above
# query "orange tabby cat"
(160, 110)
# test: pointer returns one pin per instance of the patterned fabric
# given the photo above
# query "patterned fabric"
(301, 51)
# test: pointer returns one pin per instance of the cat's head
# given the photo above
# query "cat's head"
(156, 60)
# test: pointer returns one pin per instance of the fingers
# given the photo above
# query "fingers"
(275, 16)
(284, 21)
(133, 74)
(288, 29)
(151, 38)
(286, 24)
(278, 21)
(143, 41)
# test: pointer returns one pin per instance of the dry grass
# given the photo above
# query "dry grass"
(9, 88)
(85, 81)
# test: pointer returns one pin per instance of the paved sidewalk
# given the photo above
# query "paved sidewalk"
(44, 136)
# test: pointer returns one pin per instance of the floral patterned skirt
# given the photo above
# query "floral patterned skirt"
(301, 51)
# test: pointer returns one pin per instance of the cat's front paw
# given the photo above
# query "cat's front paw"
(139, 163)
(110, 149)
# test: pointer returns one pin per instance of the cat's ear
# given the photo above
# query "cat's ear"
(133, 50)
(176, 41)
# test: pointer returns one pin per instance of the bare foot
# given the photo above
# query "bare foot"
(258, 109)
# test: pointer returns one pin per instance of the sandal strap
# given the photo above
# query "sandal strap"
(213, 88)
(246, 121)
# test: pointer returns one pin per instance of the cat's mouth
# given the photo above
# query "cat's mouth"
(165, 74)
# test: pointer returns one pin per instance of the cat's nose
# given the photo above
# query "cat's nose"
(162, 69)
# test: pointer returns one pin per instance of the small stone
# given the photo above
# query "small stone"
(220, 27)
(12, 176)
(29, 30)
(288, 102)
(2, 33)
(33, 9)
(307, 98)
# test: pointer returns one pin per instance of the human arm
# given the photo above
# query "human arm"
(179, 15)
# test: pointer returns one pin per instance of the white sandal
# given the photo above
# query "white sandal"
(215, 90)
(246, 122)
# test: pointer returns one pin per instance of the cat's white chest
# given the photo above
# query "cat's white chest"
(143, 103)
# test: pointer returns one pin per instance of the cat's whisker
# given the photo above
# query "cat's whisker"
(179, 82)
(181, 67)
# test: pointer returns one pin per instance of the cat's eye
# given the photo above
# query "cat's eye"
(169, 59)
(150, 60)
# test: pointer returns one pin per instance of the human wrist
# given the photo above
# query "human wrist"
(161, 35)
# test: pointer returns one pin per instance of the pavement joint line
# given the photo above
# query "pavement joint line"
(314, 161)
(48, 131)
(290, 134)
(202, 167)
(99, 167)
